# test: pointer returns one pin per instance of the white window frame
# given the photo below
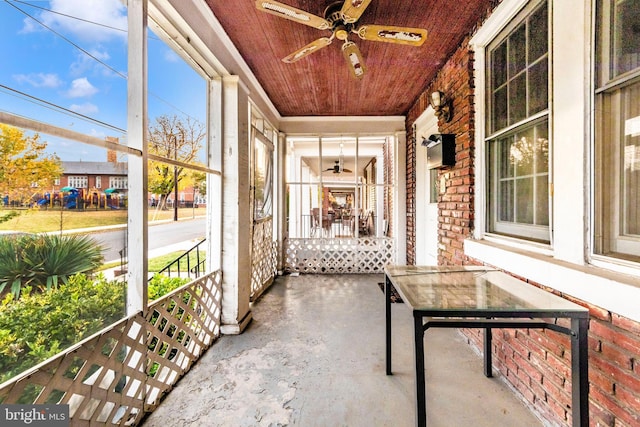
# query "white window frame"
(561, 265)
(78, 181)
(608, 222)
(517, 230)
(119, 182)
(98, 181)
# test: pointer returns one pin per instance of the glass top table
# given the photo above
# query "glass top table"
(481, 297)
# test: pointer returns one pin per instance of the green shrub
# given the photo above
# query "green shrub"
(40, 325)
(43, 261)
(160, 285)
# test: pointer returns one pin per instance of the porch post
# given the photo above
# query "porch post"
(400, 199)
(281, 201)
(137, 238)
(236, 215)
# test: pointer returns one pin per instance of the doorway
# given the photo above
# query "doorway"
(426, 194)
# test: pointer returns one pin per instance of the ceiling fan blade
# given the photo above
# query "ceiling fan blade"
(307, 50)
(354, 58)
(353, 9)
(392, 34)
(288, 12)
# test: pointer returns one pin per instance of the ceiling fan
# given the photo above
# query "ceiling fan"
(341, 19)
(338, 168)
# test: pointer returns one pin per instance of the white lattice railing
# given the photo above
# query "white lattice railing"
(121, 372)
(264, 257)
(362, 255)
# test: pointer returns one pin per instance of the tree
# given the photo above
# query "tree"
(173, 138)
(24, 165)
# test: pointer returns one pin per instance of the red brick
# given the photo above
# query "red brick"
(612, 405)
(600, 417)
(621, 358)
(615, 335)
(625, 323)
(602, 381)
(617, 374)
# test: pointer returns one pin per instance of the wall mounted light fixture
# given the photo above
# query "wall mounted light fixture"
(442, 106)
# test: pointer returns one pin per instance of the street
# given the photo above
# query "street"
(160, 235)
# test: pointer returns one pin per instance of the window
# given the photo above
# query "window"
(262, 178)
(80, 181)
(118, 182)
(517, 128)
(98, 182)
(617, 151)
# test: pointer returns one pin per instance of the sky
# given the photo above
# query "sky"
(73, 54)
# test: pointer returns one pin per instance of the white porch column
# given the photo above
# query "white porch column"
(137, 240)
(281, 153)
(214, 182)
(400, 199)
(236, 215)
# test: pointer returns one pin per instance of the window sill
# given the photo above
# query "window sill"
(612, 291)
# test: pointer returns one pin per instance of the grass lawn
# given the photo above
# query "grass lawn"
(39, 221)
(158, 263)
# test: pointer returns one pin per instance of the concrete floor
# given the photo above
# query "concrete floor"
(314, 356)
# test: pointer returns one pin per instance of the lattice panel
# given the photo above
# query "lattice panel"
(264, 256)
(116, 375)
(182, 325)
(363, 255)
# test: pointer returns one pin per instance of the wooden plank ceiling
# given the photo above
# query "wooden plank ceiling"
(321, 83)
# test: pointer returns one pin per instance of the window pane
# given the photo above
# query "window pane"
(618, 167)
(538, 86)
(506, 201)
(524, 199)
(263, 180)
(626, 38)
(517, 51)
(631, 153)
(538, 32)
(518, 99)
(542, 200)
(522, 153)
(506, 160)
(499, 113)
(499, 65)
(541, 149)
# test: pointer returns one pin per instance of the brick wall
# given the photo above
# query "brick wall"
(455, 201)
(536, 363)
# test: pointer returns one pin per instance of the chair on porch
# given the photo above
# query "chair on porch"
(363, 224)
(316, 228)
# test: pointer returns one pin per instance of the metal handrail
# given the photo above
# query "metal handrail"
(195, 270)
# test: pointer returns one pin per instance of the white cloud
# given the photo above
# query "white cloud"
(171, 56)
(110, 13)
(84, 62)
(39, 79)
(81, 88)
(86, 108)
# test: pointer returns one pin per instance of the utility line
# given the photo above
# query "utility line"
(124, 76)
(75, 17)
(55, 107)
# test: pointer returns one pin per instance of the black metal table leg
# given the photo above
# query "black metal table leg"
(580, 372)
(421, 404)
(487, 353)
(387, 302)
